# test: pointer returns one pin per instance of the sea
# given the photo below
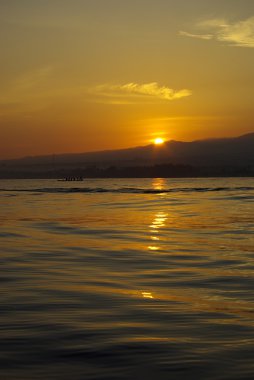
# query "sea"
(125, 279)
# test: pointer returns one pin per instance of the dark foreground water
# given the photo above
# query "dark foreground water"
(127, 279)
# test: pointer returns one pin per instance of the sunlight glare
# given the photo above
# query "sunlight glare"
(158, 141)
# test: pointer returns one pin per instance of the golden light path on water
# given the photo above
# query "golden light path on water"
(159, 218)
(158, 222)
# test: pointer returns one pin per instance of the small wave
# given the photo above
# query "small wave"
(129, 190)
(7, 234)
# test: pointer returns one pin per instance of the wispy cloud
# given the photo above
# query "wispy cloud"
(193, 35)
(131, 91)
(239, 33)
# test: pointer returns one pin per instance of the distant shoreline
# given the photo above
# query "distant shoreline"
(156, 171)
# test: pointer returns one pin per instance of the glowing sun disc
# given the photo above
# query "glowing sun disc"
(158, 141)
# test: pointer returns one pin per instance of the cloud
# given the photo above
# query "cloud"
(239, 33)
(200, 36)
(129, 91)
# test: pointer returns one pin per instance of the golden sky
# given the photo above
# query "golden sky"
(83, 75)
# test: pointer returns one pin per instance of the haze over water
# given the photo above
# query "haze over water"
(127, 279)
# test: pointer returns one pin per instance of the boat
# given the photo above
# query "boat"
(71, 179)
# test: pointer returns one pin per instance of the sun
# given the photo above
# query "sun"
(158, 141)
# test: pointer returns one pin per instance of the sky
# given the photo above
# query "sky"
(88, 75)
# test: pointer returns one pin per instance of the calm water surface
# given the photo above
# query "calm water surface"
(127, 279)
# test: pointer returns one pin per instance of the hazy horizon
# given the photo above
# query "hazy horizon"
(207, 139)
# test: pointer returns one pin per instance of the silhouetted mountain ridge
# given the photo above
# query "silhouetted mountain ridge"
(220, 152)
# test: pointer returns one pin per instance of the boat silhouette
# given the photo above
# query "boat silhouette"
(69, 179)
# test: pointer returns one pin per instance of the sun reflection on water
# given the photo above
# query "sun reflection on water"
(159, 183)
(147, 295)
(153, 248)
(159, 220)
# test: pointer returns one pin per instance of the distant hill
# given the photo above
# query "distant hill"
(223, 152)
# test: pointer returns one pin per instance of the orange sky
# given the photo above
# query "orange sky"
(90, 75)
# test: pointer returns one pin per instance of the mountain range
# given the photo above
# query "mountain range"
(236, 152)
